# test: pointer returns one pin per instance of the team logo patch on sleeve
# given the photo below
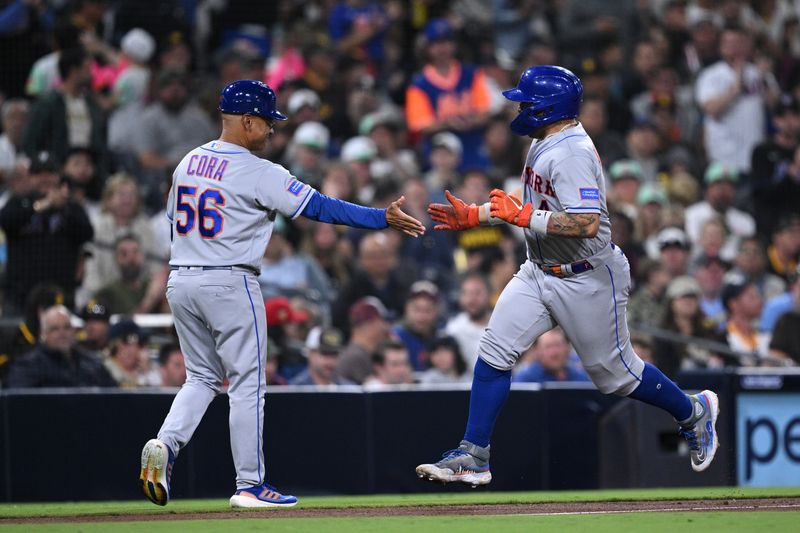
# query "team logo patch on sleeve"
(295, 187)
(590, 194)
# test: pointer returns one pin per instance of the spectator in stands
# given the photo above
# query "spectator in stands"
(134, 291)
(784, 250)
(552, 361)
(609, 143)
(744, 304)
(171, 366)
(445, 158)
(56, 361)
(785, 342)
(713, 240)
(284, 320)
(358, 153)
(80, 174)
(709, 271)
(419, 324)
(720, 181)
(674, 249)
(127, 361)
(780, 304)
(68, 116)
(752, 263)
(376, 275)
(391, 366)
(324, 243)
(685, 317)
(322, 349)
(449, 95)
(13, 118)
(45, 232)
(625, 176)
(44, 76)
(645, 146)
(386, 129)
(121, 215)
(783, 197)
(732, 96)
(24, 336)
(94, 336)
(286, 273)
(467, 326)
(358, 29)
(369, 322)
(647, 305)
(769, 156)
(447, 365)
(169, 128)
(306, 154)
(653, 203)
(271, 365)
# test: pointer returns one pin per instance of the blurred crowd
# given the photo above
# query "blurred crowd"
(693, 107)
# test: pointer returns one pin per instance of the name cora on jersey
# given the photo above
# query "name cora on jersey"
(207, 167)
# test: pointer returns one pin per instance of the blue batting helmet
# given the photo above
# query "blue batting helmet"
(250, 97)
(554, 92)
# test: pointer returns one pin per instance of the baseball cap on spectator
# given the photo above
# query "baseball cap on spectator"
(683, 286)
(312, 135)
(366, 309)
(786, 104)
(424, 288)
(328, 341)
(43, 162)
(138, 45)
(672, 237)
(446, 139)
(94, 310)
(625, 168)
(704, 260)
(126, 331)
(438, 30)
(280, 311)
(372, 120)
(651, 193)
(302, 98)
(359, 149)
(716, 172)
(733, 285)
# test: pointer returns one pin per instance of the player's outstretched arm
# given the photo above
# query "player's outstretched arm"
(335, 211)
(561, 223)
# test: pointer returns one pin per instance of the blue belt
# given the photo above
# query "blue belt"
(248, 268)
(565, 271)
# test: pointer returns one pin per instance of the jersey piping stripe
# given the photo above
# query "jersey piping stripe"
(616, 326)
(554, 145)
(579, 208)
(220, 152)
(302, 204)
(260, 376)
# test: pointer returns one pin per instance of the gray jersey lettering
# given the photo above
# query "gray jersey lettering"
(563, 173)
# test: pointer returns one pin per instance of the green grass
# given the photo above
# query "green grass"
(71, 509)
(620, 523)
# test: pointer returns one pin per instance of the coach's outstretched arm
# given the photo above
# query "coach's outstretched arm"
(334, 211)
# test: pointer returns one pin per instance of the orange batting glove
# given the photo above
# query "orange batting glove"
(456, 216)
(507, 207)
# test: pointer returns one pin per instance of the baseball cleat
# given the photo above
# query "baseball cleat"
(701, 434)
(468, 464)
(156, 472)
(261, 496)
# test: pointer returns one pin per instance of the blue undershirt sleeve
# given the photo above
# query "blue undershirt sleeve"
(334, 211)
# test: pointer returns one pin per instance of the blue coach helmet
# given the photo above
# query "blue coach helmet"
(250, 97)
(554, 92)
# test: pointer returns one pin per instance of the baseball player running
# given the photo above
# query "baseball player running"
(574, 277)
(221, 207)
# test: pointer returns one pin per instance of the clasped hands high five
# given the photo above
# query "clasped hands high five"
(460, 216)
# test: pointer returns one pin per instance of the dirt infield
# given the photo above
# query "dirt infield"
(731, 505)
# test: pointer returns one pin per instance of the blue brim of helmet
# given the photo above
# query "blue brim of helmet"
(515, 95)
(277, 115)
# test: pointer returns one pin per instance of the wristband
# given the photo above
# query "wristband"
(490, 220)
(539, 219)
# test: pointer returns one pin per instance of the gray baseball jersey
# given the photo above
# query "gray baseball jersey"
(219, 204)
(563, 173)
(219, 207)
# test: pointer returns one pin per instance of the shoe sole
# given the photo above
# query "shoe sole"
(434, 473)
(248, 502)
(711, 401)
(153, 475)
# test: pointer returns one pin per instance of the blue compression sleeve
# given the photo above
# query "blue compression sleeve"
(333, 211)
(657, 389)
(490, 389)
